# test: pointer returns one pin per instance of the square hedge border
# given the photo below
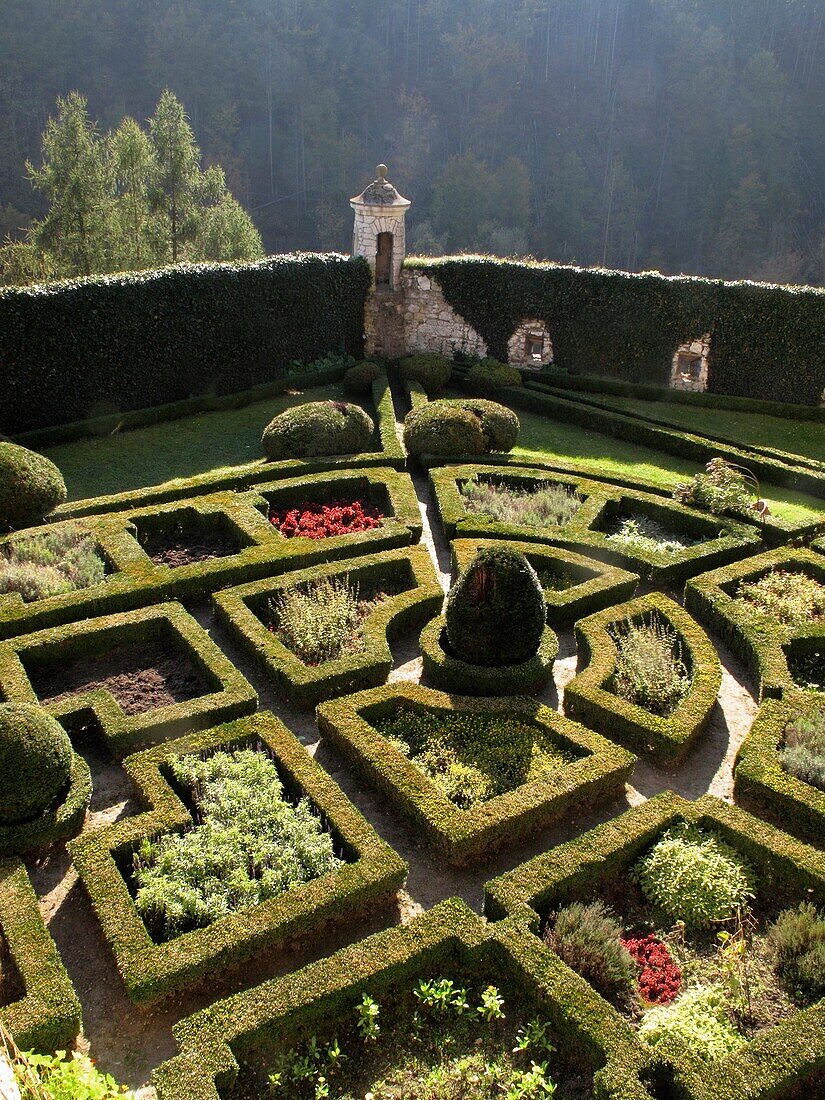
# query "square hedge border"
(153, 970)
(448, 936)
(772, 1064)
(136, 581)
(759, 642)
(586, 698)
(308, 685)
(763, 786)
(231, 695)
(457, 835)
(596, 583)
(47, 1016)
(602, 501)
(238, 478)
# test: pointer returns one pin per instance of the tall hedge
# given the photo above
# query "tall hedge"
(116, 343)
(767, 341)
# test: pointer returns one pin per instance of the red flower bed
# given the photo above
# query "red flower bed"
(321, 521)
(660, 979)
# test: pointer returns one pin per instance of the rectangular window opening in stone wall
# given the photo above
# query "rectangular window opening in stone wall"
(383, 261)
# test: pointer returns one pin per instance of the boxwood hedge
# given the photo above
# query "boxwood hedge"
(151, 970)
(786, 871)
(61, 820)
(47, 1016)
(120, 342)
(226, 692)
(460, 835)
(589, 699)
(415, 595)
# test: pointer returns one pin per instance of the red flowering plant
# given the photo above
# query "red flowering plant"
(660, 979)
(320, 521)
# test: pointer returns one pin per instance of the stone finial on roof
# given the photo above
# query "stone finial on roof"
(380, 192)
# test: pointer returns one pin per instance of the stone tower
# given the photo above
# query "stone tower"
(379, 236)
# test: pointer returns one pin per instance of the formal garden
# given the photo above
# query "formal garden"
(410, 727)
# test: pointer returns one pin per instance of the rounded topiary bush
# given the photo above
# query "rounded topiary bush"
(318, 428)
(499, 425)
(489, 376)
(30, 486)
(35, 762)
(428, 368)
(359, 379)
(496, 610)
(441, 429)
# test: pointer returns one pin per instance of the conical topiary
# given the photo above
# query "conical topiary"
(496, 611)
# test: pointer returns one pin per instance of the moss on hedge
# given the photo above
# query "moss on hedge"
(31, 486)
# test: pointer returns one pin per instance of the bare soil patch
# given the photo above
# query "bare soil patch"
(186, 549)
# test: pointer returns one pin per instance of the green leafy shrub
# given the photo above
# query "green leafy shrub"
(803, 754)
(589, 939)
(440, 429)
(359, 378)
(429, 369)
(31, 486)
(694, 877)
(489, 376)
(499, 425)
(790, 597)
(697, 1020)
(797, 939)
(63, 1076)
(251, 844)
(641, 534)
(321, 621)
(547, 504)
(318, 428)
(35, 762)
(473, 757)
(650, 671)
(722, 487)
(48, 564)
(496, 611)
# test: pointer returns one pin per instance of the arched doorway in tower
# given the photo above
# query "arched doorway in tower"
(383, 261)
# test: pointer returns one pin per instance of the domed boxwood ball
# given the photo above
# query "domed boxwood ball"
(358, 380)
(318, 428)
(428, 368)
(489, 376)
(496, 612)
(440, 429)
(499, 425)
(35, 762)
(31, 486)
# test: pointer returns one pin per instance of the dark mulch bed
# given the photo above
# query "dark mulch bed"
(140, 677)
(11, 985)
(182, 549)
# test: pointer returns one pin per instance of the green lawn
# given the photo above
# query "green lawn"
(179, 448)
(597, 454)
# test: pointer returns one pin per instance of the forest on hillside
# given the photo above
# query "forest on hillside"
(681, 135)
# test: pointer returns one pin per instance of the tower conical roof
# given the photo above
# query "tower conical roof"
(380, 192)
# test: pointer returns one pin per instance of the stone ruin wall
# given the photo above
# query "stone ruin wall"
(431, 323)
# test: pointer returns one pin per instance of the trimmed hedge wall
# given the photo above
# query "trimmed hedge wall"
(60, 821)
(123, 342)
(152, 970)
(462, 836)
(763, 786)
(420, 597)
(226, 693)
(47, 1017)
(588, 698)
(725, 540)
(625, 325)
(594, 584)
(136, 580)
(787, 872)
(759, 641)
(449, 939)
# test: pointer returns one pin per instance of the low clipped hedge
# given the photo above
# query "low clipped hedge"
(449, 673)
(428, 368)
(31, 486)
(724, 540)
(763, 786)
(153, 970)
(318, 428)
(760, 642)
(594, 584)
(124, 342)
(238, 609)
(135, 581)
(448, 939)
(47, 1016)
(588, 698)
(458, 835)
(226, 695)
(787, 871)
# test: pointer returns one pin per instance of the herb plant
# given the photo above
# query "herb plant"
(589, 939)
(650, 671)
(320, 621)
(643, 535)
(697, 1020)
(797, 939)
(722, 487)
(49, 564)
(792, 598)
(803, 754)
(545, 505)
